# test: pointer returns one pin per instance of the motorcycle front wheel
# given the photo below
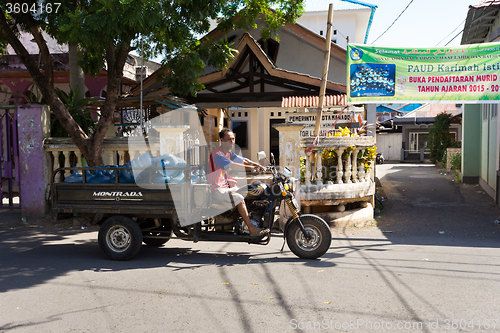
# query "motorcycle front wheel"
(319, 241)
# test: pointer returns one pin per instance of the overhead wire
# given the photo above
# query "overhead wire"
(394, 21)
(451, 32)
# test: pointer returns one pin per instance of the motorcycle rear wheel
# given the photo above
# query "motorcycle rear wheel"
(120, 237)
(317, 245)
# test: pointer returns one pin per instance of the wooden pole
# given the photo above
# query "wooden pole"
(324, 77)
(326, 64)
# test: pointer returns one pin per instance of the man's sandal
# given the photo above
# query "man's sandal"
(262, 232)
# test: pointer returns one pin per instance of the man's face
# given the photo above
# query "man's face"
(228, 141)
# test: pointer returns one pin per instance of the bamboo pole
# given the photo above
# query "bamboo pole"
(322, 89)
(326, 65)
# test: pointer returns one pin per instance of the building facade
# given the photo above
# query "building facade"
(480, 141)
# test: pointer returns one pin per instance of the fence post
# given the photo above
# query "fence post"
(33, 122)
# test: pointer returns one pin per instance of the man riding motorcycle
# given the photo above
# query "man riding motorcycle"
(223, 186)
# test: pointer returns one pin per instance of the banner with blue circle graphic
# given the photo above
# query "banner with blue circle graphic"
(385, 75)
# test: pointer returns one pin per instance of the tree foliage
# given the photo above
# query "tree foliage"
(439, 137)
(105, 31)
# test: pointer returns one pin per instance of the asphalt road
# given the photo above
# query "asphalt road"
(386, 278)
(423, 200)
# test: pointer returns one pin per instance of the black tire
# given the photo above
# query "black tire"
(164, 231)
(317, 228)
(120, 238)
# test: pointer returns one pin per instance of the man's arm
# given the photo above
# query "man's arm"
(237, 160)
(252, 164)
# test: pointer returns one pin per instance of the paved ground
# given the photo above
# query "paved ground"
(403, 275)
(423, 200)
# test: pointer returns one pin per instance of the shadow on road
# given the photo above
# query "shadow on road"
(30, 256)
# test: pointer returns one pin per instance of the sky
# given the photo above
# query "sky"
(424, 24)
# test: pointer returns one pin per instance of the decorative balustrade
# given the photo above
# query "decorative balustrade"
(169, 139)
(347, 169)
(115, 151)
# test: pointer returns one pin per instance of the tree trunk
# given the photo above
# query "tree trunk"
(77, 81)
(91, 148)
(116, 58)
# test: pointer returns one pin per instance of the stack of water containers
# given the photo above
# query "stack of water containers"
(160, 169)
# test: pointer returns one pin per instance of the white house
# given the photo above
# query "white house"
(351, 19)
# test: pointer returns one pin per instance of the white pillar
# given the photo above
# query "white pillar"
(289, 142)
(319, 167)
(171, 139)
(340, 167)
(371, 119)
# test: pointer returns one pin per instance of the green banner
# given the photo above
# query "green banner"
(468, 73)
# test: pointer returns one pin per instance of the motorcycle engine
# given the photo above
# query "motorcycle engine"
(257, 209)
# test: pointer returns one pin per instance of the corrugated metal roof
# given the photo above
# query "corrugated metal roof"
(322, 5)
(312, 101)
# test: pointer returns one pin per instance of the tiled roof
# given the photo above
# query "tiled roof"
(312, 101)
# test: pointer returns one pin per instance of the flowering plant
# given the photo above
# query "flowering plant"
(330, 159)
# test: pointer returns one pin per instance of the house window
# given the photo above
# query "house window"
(240, 130)
(272, 48)
(418, 141)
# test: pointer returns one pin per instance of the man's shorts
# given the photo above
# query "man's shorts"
(227, 196)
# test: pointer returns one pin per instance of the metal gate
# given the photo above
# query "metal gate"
(9, 158)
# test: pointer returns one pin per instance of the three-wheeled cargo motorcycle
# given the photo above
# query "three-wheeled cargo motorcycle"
(172, 197)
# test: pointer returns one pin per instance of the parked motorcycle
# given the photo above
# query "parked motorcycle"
(379, 159)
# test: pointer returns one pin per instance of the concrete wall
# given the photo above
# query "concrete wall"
(299, 56)
(489, 146)
(471, 143)
(348, 23)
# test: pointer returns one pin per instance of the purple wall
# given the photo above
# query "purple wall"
(32, 128)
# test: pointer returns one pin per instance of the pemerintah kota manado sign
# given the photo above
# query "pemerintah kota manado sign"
(468, 73)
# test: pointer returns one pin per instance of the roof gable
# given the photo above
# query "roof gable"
(250, 78)
(253, 77)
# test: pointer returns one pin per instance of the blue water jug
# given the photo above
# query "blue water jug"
(75, 177)
(100, 178)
